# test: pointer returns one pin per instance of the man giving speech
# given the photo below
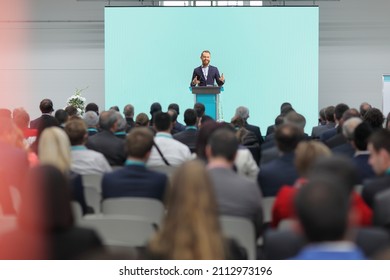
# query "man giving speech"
(205, 75)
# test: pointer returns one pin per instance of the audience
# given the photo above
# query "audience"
(375, 118)
(84, 161)
(189, 135)
(134, 179)
(46, 108)
(91, 119)
(178, 127)
(128, 112)
(330, 123)
(243, 112)
(191, 229)
(166, 151)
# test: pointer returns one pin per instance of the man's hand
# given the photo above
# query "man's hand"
(195, 81)
(222, 78)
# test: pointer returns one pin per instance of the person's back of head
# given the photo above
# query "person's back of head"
(339, 110)
(121, 123)
(199, 109)
(91, 119)
(349, 127)
(285, 107)
(295, 119)
(71, 110)
(139, 142)
(54, 149)
(108, 120)
(243, 112)
(175, 107)
(191, 228)
(77, 132)
(142, 119)
(92, 107)
(329, 114)
(61, 116)
(162, 122)
(173, 115)
(306, 153)
(287, 137)
(322, 116)
(374, 117)
(222, 144)
(190, 117)
(338, 167)
(21, 118)
(154, 108)
(322, 207)
(128, 111)
(115, 108)
(46, 106)
(364, 107)
(360, 136)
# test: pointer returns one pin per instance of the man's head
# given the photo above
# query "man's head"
(46, 106)
(349, 127)
(322, 117)
(175, 107)
(115, 108)
(205, 57)
(121, 123)
(329, 114)
(364, 107)
(295, 119)
(139, 143)
(374, 117)
(360, 136)
(92, 107)
(379, 148)
(77, 131)
(223, 144)
(71, 110)
(62, 116)
(142, 119)
(108, 120)
(199, 109)
(339, 111)
(287, 137)
(173, 115)
(190, 117)
(154, 108)
(128, 111)
(322, 207)
(91, 119)
(243, 112)
(162, 122)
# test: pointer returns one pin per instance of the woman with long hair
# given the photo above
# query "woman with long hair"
(191, 229)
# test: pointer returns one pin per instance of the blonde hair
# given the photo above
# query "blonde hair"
(54, 149)
(191, 227)
(306, 153)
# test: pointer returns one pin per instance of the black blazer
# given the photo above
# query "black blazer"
(212, 76)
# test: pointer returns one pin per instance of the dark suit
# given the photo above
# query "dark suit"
(256, 131)
(134, 181)
(328, 134)
(38, 122)
(363, 167)
(187, 137)
(318, 130)
(344, 149)
(109, 145)
(275, 174)
(372, 187)
(213, 75)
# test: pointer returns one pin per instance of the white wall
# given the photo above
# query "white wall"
(60, 46)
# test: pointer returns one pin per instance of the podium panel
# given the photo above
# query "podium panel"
(209, 97)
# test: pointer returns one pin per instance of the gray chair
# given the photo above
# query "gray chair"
(243, 231)
(93, 198)
(146, 208)
(77, 211)
(268, 202)
(120, 230)
(93, 180)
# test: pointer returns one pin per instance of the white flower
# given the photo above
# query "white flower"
(77, 101)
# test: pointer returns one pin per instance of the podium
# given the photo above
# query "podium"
(209, 96)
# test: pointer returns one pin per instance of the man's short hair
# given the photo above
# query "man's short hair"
(329, 113)
(205, 51)
(71, 110)
(285, 106)
(349, 127)
(139, 142)
(190, 117)
(92, 107)
(287, 137)
(175, 107)
(115, 108)
(142, 119)
(91, 118)
(162, 121)
(374, 117)
(199, 109)
(61, 115)
(121, 122)
(322, 207)
(128, 111)
(380, 139)
(360, 136)
(223, 142)
(76, 130)
(243, 112)
(46, 106)
(295, 119)
(107, 119)
(154, 108)
(339, 110)
(173, 114)
(364, 107)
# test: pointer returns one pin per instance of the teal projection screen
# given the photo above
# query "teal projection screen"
(268, 55)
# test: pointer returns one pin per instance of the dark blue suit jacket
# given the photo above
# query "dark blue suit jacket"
(212, 76)
(276, 173)
(134, 181)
